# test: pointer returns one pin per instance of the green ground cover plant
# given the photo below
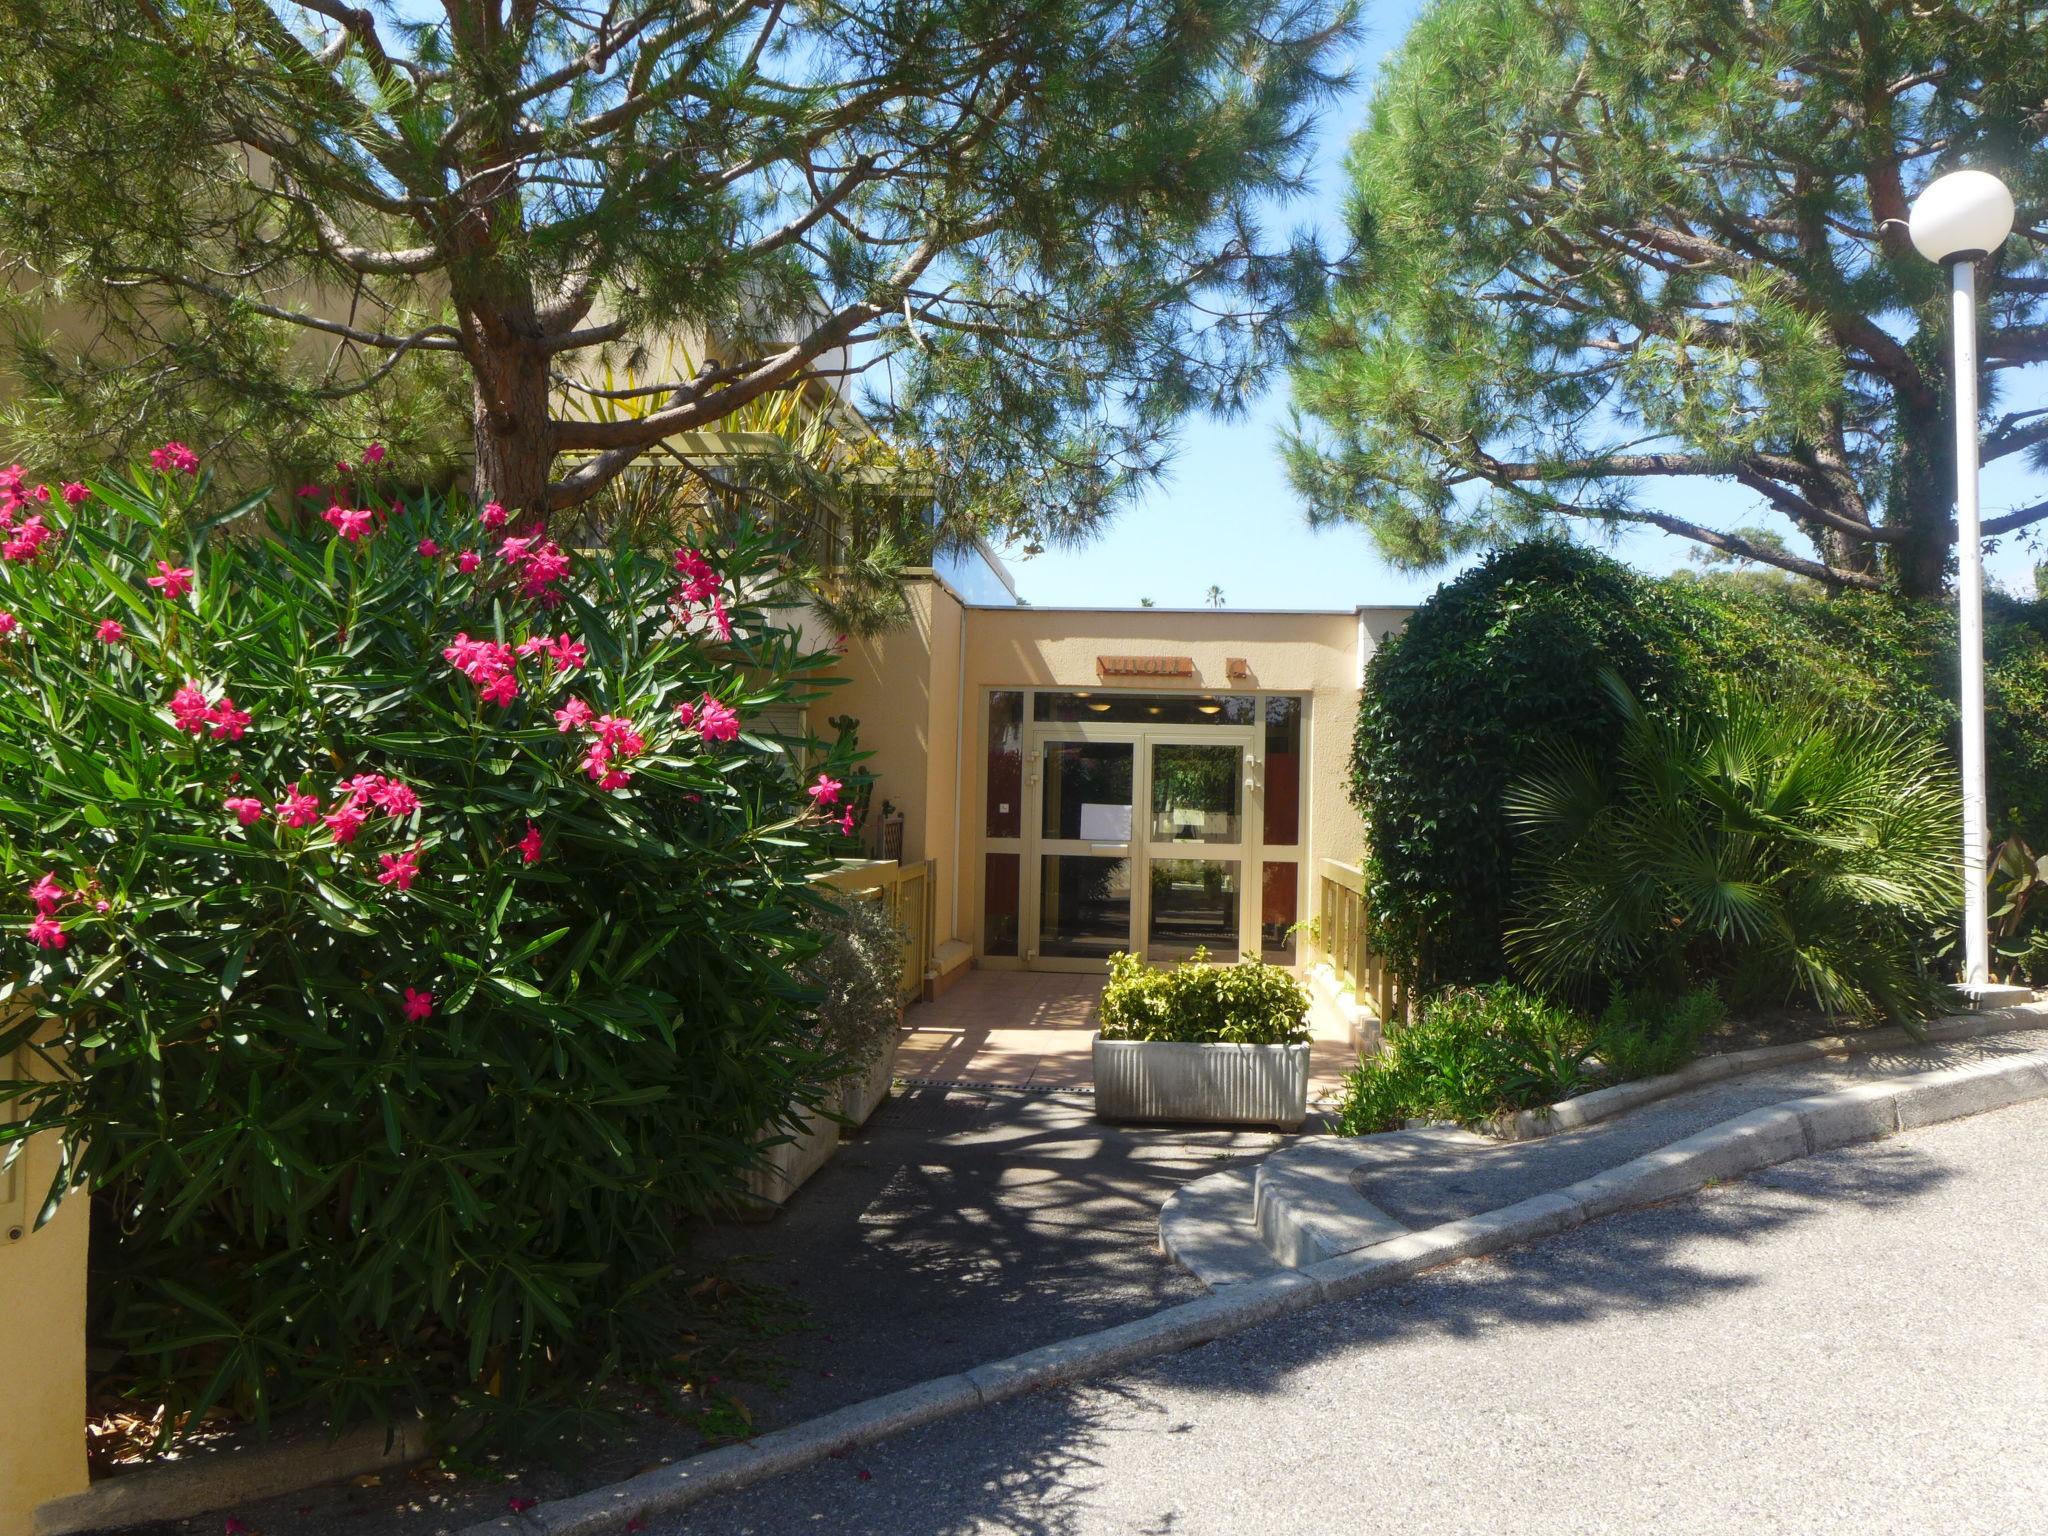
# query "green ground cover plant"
(1249, 1003)
(421, 908)
(1472, 1053)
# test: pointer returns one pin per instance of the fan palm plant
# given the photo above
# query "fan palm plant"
(1767, 843)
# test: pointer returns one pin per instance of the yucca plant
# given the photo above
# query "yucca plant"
(1767, 841)
(851, 507)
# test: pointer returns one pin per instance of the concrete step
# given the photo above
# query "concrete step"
(1206, 1228)
(1306, 1206)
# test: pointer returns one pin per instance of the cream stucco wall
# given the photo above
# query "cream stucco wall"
(903, 688)
(42, 1307)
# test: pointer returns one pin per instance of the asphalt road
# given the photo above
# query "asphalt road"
(1856, 1342)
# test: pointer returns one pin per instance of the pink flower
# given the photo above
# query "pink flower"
(173, 581)
(227, 721)
(247, 808)
(47, 933)
(352, 523)
(8, 625)
(46, 893)
(573, 714)
(374, 454)
(715, 721)
(418, 1005)
(42, 493)
(28, 541)
(400, 869)
(825, 792)
(846, 822)
(686, 715)
(720, 621)
(700, 577)
(110, 632)
(492, 516)
(514, 550)
(520, 1506)
(468, 561)
(346, 820)
(616, 734)
(174, 455)
(297, 810)
(190, 711)
(75, 492)
(487, 663)
(539, 569)
(429, 550)
(394, 798)
(530, 845)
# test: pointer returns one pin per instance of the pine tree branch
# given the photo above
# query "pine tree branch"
(2012, 521)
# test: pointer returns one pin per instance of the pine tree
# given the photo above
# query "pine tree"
(1645, 262)
(1037, 225)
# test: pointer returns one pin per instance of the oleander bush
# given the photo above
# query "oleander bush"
(421, 907)
(1249, 1003)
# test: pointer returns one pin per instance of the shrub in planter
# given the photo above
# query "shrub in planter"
(855, 973)
(422, 906)
(1249, 1003)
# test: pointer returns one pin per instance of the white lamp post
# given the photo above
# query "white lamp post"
(1957, 220)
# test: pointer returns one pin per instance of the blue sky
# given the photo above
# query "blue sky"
(1225, 515)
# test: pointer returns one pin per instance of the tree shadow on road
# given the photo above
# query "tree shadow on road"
(1032, 1466)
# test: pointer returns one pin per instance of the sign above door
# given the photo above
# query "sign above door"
(1145, 666)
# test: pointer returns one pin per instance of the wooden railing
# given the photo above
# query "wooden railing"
(905, 893)
(1340, 935)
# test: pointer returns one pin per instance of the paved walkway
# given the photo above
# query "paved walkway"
(1032, 1030)
(962, 1225)
(1855, 1342)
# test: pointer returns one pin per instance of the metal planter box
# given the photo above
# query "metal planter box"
(1219, 1084)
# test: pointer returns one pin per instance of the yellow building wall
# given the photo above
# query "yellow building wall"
(920, 695)
(42, 1310)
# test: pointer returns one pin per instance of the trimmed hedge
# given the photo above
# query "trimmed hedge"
(1504, 662)
(1249, 1003)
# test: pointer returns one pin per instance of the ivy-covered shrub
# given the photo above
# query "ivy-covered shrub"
(1503, 665)
(1249, 1003)
(1455, 709)
(421, 906)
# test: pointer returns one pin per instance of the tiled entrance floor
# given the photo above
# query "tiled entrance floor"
(1031, 1029)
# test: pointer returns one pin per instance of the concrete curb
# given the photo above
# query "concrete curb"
(178, 1490)
(1738, 1146)
(1606, 1103)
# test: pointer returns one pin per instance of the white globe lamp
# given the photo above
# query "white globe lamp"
(1960, 217)
(1958, 220)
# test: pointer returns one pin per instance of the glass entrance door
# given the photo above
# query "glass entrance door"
(1195, 847)
(1140, 840)
(1083, 880)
